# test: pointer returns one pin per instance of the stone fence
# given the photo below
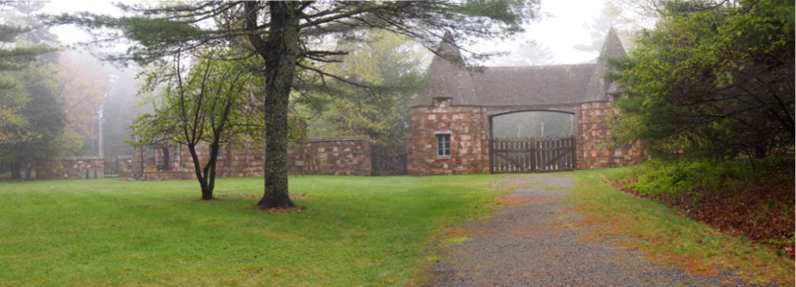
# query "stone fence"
(332, 156)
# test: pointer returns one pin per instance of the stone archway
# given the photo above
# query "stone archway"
(533, 122)
(533, 151)
(451, 130)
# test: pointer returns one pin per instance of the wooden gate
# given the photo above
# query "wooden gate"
(111, 167)
(517, 155)
(388, 160)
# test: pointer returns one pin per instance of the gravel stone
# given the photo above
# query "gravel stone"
(538, 242)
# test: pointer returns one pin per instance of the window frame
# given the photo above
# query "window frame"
(443, 145)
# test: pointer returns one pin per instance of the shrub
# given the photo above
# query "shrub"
(686, 177)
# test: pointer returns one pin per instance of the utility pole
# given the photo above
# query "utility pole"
(99, 141)
(101, 137)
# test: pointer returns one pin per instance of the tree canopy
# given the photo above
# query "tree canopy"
(203, 101)
(32, 115)
(712, 80)
(386, 71)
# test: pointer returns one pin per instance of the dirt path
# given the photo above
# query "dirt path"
(537, 242)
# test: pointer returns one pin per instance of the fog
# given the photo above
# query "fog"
(557, 38)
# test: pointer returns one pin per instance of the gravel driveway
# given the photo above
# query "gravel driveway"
(536, 241)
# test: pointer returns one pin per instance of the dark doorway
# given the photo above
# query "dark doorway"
(388, 159)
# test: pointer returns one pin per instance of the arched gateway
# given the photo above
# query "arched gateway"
(452, 119)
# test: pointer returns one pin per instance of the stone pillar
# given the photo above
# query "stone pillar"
(594, 143)
(468, 135)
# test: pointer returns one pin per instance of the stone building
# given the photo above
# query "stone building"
(451, 129)
(452, 120)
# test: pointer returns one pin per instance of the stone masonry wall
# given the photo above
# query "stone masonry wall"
(239, 160)
(333, 155)
(469, 144)
(594, 134)
(126, 166)
(80, 167)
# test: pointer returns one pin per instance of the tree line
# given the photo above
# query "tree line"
(712, 79)
(49, 101)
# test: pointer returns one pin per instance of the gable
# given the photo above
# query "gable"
(511, 86)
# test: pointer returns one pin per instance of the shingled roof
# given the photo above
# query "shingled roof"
(510, 86)
(533, 85)
(448, 77)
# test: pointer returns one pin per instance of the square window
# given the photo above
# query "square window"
(443, 145)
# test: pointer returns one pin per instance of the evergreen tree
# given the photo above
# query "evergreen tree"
(386, 70)
(713, 80)
(32, 114)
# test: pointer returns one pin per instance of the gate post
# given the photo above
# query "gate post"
(490, 147)
(533, 154)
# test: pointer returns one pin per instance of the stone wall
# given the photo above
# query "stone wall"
(126, 166)
(594, 138)
(352, 156)
(87, 167)
(238, 160)
(469, 145)
(333, 156)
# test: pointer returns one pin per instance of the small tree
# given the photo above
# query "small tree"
(205, 104)
(82, 93)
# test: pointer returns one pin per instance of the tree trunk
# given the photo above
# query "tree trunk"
(207, 189)
(29, 169)
(210, 171)
(279, 53)
(16, 168)
(207, 192)
(760, 151)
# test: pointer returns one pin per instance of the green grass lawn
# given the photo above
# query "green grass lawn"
(350, 231)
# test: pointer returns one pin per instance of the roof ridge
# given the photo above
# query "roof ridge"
(540, 66)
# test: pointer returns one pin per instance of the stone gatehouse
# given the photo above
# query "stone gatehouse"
(452, 120)
(451, 125)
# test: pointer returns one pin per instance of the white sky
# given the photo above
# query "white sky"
(70, 35)
(560, 31)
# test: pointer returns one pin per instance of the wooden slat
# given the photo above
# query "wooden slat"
(511, 155)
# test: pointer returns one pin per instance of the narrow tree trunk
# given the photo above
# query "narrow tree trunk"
(16, 167)
(210, 171)
(279, 53)
(207, 189)
(29, 169)
(207, 192)
(760, 151)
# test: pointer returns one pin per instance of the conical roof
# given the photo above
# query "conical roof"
(447, 76)
(598, 85)
(612, 47)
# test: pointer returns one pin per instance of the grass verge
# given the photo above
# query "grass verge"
(666, 234)
(350, 231)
